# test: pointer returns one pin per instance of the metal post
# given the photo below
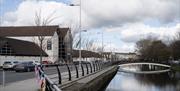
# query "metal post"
(102, 45)
(82, 69)
(80, 56)
(59, 74)
(90, 67)
(69, 72)
(87, 68)
(3, 78)
(77, 74)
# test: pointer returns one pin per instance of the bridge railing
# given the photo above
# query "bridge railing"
(72, 72)
(47, 84)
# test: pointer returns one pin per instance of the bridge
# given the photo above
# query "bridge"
(145, 72)
(89, 75)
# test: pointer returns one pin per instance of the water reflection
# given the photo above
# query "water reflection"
(168, 81)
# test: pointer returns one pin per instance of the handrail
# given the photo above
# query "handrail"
(90, 68)
(50, 86)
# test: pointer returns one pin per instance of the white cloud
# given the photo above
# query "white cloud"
(25, 13)
(131, 33)
(119, 12)
(113, 15)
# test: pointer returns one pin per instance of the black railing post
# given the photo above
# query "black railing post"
(69, 72)
(82, 69)
(90, 67)
(98, 65)
(77, 74)
(59, 74)
(87, 68)
(94, 66)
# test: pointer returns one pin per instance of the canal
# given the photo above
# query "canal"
(143, 77)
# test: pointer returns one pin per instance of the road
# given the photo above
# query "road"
(12, 76)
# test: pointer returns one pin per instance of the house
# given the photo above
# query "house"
(19, 50)
(57, 42)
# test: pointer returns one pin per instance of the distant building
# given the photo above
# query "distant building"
(121, 56)
(57, 43)
(85, 55)
(18, 50)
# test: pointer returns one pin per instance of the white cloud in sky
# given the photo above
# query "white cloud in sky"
(133, 32)
(119, 12)
(127, 17)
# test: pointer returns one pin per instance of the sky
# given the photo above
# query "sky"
(122, 22)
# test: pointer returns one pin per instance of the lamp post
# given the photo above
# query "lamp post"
(80, 35)
(102, 43)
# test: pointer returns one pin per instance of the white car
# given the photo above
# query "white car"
(9, 65)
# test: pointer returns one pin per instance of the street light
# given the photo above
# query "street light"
(80, 56)
(102, 43)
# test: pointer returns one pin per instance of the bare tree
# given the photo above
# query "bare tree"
(152, 50)
(175, 47)
(42, 21)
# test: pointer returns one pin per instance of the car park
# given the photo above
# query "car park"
(25, 66)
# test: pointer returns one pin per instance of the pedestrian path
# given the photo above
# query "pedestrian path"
(32, 84)
(25, 85)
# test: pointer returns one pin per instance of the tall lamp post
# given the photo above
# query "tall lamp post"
(80, 28)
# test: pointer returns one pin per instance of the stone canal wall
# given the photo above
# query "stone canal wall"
(92, 82)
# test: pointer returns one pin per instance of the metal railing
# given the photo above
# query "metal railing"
(73, 70)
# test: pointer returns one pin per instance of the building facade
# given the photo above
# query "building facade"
(57, 42)
(19, 50)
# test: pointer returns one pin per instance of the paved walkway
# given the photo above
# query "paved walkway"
(26, 85)
(32, 85)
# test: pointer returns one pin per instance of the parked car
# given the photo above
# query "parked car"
(9, 65)
(25, 66)
(36, 62)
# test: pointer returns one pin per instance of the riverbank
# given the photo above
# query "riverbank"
(176, 67)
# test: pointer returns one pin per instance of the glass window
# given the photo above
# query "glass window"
(49, 45)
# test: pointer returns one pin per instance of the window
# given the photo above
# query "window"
(6, 50)
(49, 45)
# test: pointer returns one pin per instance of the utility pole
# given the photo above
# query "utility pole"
(102, 45)
(80, 56)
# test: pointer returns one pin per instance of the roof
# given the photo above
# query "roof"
(126, 53)
(14, 31)
(22, 48)
(85, 54)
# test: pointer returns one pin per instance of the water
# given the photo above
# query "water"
(130, 81)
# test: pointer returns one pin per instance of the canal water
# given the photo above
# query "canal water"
(131, 81)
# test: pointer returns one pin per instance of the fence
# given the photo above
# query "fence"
(74, 70)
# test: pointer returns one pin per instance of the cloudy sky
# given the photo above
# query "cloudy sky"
(123, 22)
